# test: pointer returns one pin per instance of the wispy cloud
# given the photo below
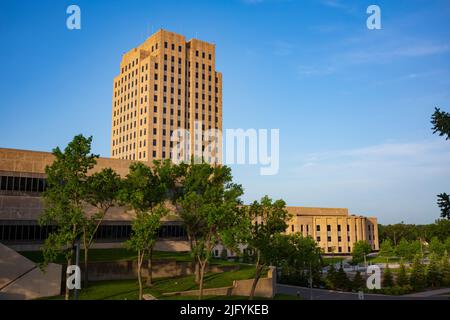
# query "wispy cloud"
(394, 181)
(392, 52)
(314, 71)
(283, 48)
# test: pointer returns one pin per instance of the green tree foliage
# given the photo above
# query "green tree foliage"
(439, 229)
(445, 267)
(145, 190)
(436, 247)
(331, 277)
(447, 246)
(341, 279)
(358, 282)
(417, 276)
(263, 222)
(388, 280)
(64, 198)
(444, 204)
(402, 276)
(210, 202)
(102, 190)
(144, 233)
(387, 249)
(434, 272)
(302, 260)
(360, 250)
(441, 125)
(408, 249)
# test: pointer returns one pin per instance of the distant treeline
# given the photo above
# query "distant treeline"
(395, 232)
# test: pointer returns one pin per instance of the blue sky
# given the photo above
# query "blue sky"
(352, 105)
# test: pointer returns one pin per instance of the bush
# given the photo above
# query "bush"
(417, 277)
(402, 276)
(358, 282)
(388, 281)
(397, 290)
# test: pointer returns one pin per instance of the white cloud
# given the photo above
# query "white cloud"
(394, 181)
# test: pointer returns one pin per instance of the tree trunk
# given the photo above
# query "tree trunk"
(197, 272)
(257, 276)
(67, 293)
(86, 256)
(139, 267)
(202, 274)
(150, 267)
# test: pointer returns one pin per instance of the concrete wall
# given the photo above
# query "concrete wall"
(127, 269)
(35, 284)
(161, 245)
(21, 279)
(265, 288)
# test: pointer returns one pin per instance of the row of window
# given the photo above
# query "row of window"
(22, 184)
(32, 232)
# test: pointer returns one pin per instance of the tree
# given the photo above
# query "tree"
(144, 232)
(358, 281)
(388, 280)
(408, 249)
(144, 190)
(64, 198)
(417, 276)
(441, 125)
(211, 202)
(444, 204)
(386, 249)
(436, 247)
(341, 280)
(102, 191)
(265, 220)
(402, 276)
(300, 259)
(445, 267)
(360, 250)
(331, 277)
(434, 272)
(447, 246)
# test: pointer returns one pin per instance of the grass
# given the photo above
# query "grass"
(379, 259)
(128, 289)
(331, 260)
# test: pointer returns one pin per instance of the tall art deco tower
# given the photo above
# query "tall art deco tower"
(166, 85)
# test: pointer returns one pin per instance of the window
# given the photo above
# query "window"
(318, 228)
(292, 228)
(318, 238)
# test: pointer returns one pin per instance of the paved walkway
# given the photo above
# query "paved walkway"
(323, 294)
(430, 293)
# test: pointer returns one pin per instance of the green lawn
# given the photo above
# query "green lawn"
(379, 259)
(331, 260)
(128, 289)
